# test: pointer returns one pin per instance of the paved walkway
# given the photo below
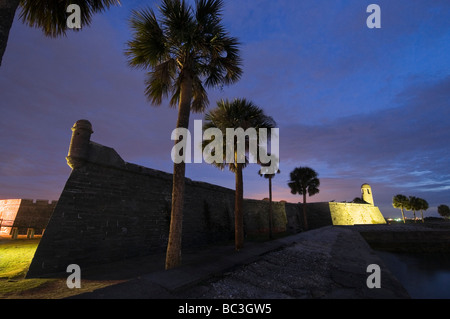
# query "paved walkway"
(330, 262)
(198, 267)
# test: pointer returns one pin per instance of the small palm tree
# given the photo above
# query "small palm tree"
(49, 16)
(423, 205)
(235, 114)
(444, 210)
(304, 181)
(184, 51)
(401, 202)
(269, 177)
(414, 203)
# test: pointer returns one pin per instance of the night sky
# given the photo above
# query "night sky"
(358, 105)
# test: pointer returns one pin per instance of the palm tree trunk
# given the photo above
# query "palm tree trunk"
(238, 213)
(173, 253)
(270, 210)
(7, 12)
(305, 219)
(421, 214)
(403, 216)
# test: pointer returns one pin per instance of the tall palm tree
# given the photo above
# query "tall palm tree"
(235, 114)
(50, 16)
(401, 202)
(184, 51)
(269, 177)
(423, 205)
(304, 180)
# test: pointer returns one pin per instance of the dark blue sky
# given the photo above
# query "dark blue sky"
(358, 105)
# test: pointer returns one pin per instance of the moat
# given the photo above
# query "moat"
(424, 275)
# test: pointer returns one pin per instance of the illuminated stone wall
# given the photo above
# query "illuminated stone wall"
(8, 212)
(355, 214)
(24, 214)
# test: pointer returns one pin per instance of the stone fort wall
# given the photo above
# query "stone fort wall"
(355, 214)
(108, 213)
(25, 214)
(110, 210)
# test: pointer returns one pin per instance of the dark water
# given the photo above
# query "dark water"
(424, 276)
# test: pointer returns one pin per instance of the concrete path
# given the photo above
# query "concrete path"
(327, 263)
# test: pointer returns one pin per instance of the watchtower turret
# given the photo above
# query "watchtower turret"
(79, 144)
(367, 195)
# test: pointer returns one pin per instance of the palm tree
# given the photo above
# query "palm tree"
(304, 181)
(444, 210)
(269, 177)
(423, 205)
(49, 16)
(184, 51)
(401, 202)
(414, 203)
(235, 114)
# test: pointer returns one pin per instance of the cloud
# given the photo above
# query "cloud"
(388, 147)
(48, 84)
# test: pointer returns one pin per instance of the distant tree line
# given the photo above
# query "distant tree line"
(415, 204)
(410, 203)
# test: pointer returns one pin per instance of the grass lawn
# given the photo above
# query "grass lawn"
(15, 258)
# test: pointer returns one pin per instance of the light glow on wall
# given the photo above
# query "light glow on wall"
(8, 213)
(355, 214)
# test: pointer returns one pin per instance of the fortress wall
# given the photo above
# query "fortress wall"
(33, 214)
(287, 216)
(24, 214)
(8, 213)
(113, 212)
(318, 214)
(294, 219)
(109, 212)
(355, 214)
(256, 218)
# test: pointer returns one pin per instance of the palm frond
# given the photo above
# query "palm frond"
(178, 22)
(401, 201)
(200, 99)
(148, 47)
(207, 10)
(194, 39)
(159, 82)
(304, 180)
(239, 113)
(50, 15)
